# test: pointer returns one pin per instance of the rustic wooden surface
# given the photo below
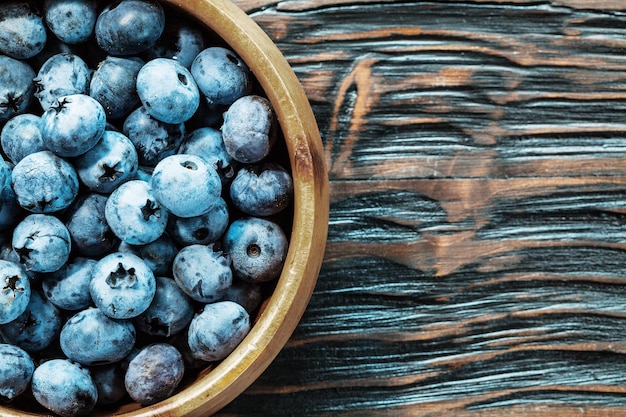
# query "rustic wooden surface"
(476, 261)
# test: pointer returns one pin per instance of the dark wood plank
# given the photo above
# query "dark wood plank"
(476, 260)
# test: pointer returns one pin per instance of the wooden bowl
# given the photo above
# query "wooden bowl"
(215, 387)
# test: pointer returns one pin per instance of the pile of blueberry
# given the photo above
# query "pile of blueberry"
(142, 202)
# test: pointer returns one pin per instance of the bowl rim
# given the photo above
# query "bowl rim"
(282, 313)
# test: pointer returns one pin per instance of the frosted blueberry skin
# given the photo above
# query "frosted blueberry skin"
(129, 27)
(204, 229)
(181, 40)
(64, 387)
(134, 214)
(61, 75)
(207, 143)
(21, 136)
(86, 222)
(42, 242)
(257, 248)
(73, 125)
(158, 255)
(16, 87)
(169, 313)
(202, 272)
(22, 30)
(91, 338)
(262, 189)
(221, 75)
(44, 182)
(68, 288)
(122, 285)
(71, 21)
(153, 139)
(249, 130)
(36, 328)
(15, 291)
(247, 294)
(109, 381)
(16, 371)
(154, 373)
(112, 161)
(217, 330)
(185, 185)
(168, 91)
(113, 85)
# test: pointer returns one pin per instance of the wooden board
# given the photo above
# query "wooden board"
(476, 260)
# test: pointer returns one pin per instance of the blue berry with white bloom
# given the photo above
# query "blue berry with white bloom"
(22, 30)
(68, 288)
(221, 75)
(167, 90)
(122, 285)
(249, 129)
(16, 87)
(203, 229)
(86, 221)
(182, 40)
(21, 136)
(134, 214)
(207, 143)
(257, 247)
(71, 21)
(64, 387)
(73, 125)
(216, 331)
(44, 182)
(61, 75)
(113, 84)
(158, 254)
(202, 272)
(92, 338)
(14, 291)
(42, 242)
(16, 371)
(185, 185)
(262, 189)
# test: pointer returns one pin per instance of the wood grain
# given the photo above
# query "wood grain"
(476, 257)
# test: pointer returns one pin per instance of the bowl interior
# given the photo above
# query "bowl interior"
(214, 387)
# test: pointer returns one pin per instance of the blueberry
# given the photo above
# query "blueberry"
(207, 143)
(92, 338)
(10, 210)
(202, 272)
(73, 125)
(109, 380)
(153, 139)
(16, 87)
(61, 75)
(169, 313)
(185, 185)
(21, 136)
(112, 161)
(36, 328)
(42, 242)
(86, 222)
(249, 131)
(129, 27)
(113, 84)
(181, 40)
(44, 182)
(122, 285)
(134, 214)
(221, 75)
(167, 90)
(154, 373)
(71, 21)
(15, 291)
(204, 229)
(257, 247)
(261, 189)
(16, 371)
(247, 294)
(22, 30)
(217, 330)
(68, 288)
(64, 387)
(158, 255)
